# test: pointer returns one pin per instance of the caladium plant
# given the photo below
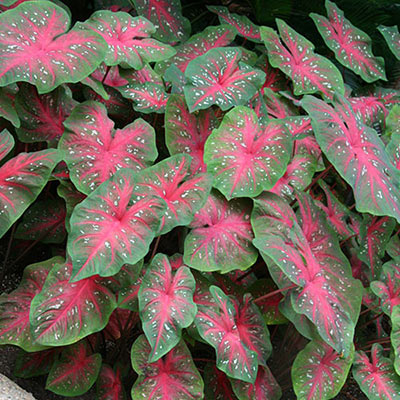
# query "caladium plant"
(206, 200)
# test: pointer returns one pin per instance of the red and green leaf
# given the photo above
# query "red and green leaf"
(173, 377)
(42, 115)
(166, 305)
(241, 23)
(392, 37)
(64, 312)
(75, 372)
(219, 77)
(376, 377)
(128, 39)
(147, 98)
(217, 384)
(186, 132)
(37, 363)
(7, 143)
(352, 46)
(94, 150)
(238, 334)
(395, 337)
(113, 226)
(35, 48)
(21, 180)
(43, 221)
(221, 235)
(166, 15)
(358, 155)
(246, 157)
(7, 106)
(319, 372)
(198, 45)
(109, 384)
(265, 387)
(184, 195)
(374, 236)
(308, 253)
(15, 306)
(295, 57)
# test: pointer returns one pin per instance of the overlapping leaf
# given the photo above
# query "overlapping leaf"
(166, 305)
(166, 15)
(37, 363)
(308, 253)
(173, 377)
(75, 372)
(42, 115)
(113, 226)
(241, 23)
(197, 45)
(21, 180)
(7, 108)
(14, 307)
(352, 46)
(64, 312)
(376, 377)
(318, 372)
(217, 385)
(237, 332)
(221, 235)
(246, 157)
(128, 39)
(358, 154)
(34, 47)
(184, 195)
(94, 151)
(187, 133)
(295, 57)
(219, 77)
(6, 143)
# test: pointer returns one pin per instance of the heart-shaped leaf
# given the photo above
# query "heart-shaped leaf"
(64, 312)
(246, 157)
(113, 226)
(75, 372)
(186, 132)
(35, 48)
(237, 332)
(21, 180)
(219, 77)
(7, 107)
(173, 377)
(94, 151)
(166, 305)
(128, 39)
(197, 45)
(42, 115)
(358, 155)
(352, 46)
(241, 23)
(318, 372)
(184, 195)
(217, 384)
(376, 377)
(295, 57)
(6, 143)
(221, 235)
(308, 253)
(15, 306)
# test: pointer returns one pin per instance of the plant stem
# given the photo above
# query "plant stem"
(371, 320)
(8, 250)
(105, 75)
(155, 248)
(369, 309)
(270, 294)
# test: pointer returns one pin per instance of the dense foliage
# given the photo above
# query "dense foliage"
(216, 202)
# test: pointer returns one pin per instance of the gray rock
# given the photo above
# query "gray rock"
(11, 391)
